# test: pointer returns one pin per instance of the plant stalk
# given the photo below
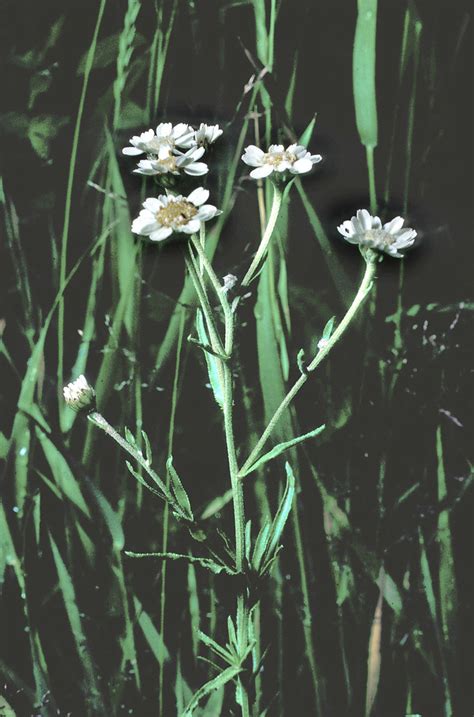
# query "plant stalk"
(364, 289)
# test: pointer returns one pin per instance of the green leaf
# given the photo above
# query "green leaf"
(215, 684)
(216, 648)
(260, 546)
(178, 489)
(327, 331)
(280, 448)
(111, 518)
(364, 72)
(151, 634)
(62, 474)
(216, 505)
(308, 133)
(283, 512)
(105, 52)
(211, 361)
(69, 596)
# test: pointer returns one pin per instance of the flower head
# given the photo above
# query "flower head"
(79, 394)
(162, 216)
(367, 231)
(204, 136)
(175, 163)
(294, 159)
(162, 143)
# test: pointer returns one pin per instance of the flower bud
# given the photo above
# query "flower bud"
(79, 394)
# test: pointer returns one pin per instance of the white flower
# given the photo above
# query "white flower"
(163, 142)
(174, 164)
(204, 136)
(164, 215)
(295, 159)
(78, 394)
(367, 231)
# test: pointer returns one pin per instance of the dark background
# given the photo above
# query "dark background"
(204, 77)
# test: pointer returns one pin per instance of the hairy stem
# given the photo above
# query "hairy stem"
(267, 235)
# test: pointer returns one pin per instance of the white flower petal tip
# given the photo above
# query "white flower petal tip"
(165, 215)
(295, 159)
(367, 231)
(79, 393)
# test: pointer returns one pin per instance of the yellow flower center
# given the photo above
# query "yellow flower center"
(275, 158)
(378, 238)
(176, 213)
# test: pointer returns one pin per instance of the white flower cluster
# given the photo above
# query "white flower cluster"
(173, 149)
(178, 149)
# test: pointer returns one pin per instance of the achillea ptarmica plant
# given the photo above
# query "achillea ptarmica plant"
(295, 159)
(163, 215)
(367, 231)
(79, 394)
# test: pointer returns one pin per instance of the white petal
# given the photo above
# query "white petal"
(394, 226)
(196, 169)
(276, 148)
(191, 227)
(144, 223)
(160, 234)
(261, 172)
(179, 129)
(206, 212)
(152, 204)
(253, 156)
(315, 158)
(132, 151)
(376, 223)
(346, 229)
(164, 129)
(365, 219)
(301, 166)
(198, 196)
(405, 238)
(191, 155)
(358, 228)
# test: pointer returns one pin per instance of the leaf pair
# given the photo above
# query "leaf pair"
(267, 546)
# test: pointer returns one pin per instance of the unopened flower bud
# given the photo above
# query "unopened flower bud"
(228, 282)
(79, 394)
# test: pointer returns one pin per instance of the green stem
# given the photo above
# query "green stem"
(228, 316)
(228, 402)
(98, 420)
(364, 289)
(267, 235)
(371, 170)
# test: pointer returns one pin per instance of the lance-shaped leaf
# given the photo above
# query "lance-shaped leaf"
(211, 361)
(178, 489)
(280, 448)
(282, 514)
(222, 679)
